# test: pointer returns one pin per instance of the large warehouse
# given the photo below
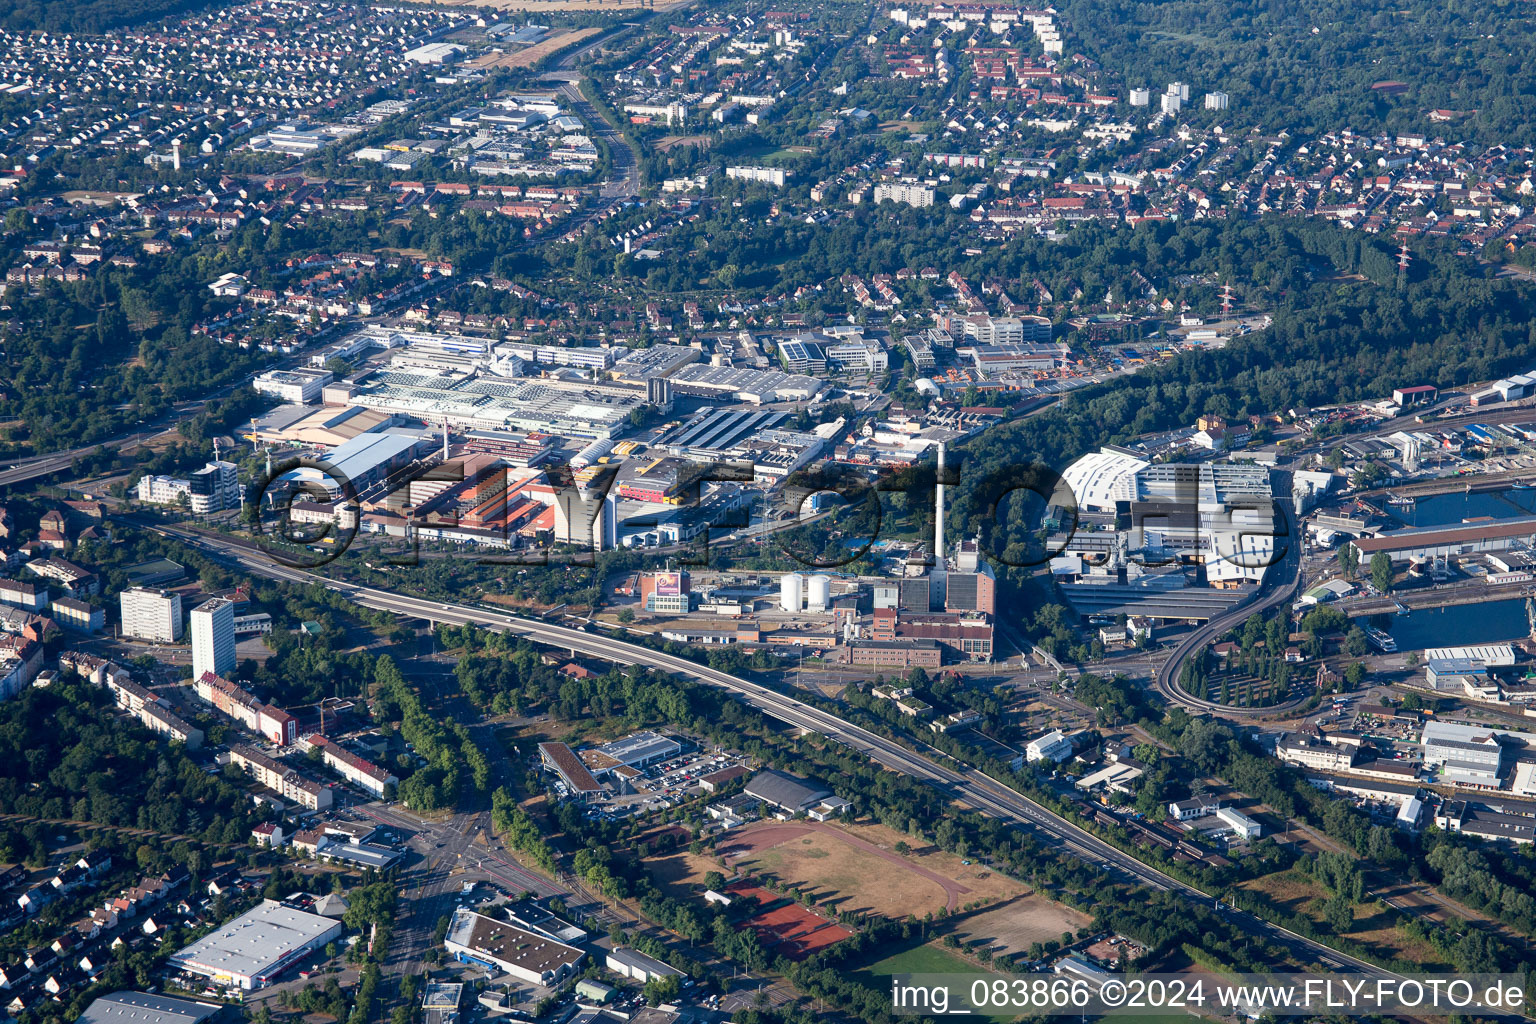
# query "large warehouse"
(1100, 479)
(1426, 542)
(785, 791)
(146, 1008)
(253, 949)
(535, 959)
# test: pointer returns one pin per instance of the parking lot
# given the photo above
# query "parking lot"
(664, 784)
(682, 773)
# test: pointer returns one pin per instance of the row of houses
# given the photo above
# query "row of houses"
(49, 971)
(152, 712)
(357, 770)
(233, 700)
(277, 776)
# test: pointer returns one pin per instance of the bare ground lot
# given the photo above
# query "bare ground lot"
(846, 866)
(1020, 923)
(1297, 894)
(667, 142)
(535, 53)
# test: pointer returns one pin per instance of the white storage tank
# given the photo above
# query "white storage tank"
(819, 593)
(792, 592)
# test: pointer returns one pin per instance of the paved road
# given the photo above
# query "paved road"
(36, 466)
(457, 849)
(965, 783)
(1279, 586)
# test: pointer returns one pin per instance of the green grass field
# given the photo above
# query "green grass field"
(923, 958)
(932, 958)
(927, 958)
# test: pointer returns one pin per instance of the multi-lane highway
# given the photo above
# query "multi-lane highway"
(967, 785)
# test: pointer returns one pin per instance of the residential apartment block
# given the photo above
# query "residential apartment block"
(273, 723)
(278, 777)
(356, 770)
(151, 614)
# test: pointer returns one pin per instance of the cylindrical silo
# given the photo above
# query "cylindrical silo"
(819, 594)
(791, 592)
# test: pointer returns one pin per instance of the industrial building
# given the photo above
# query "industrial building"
(1217, 515)
(364, 461)
(1100, 480)
(1312, 751)
(633, 964)
(745, 384)
(1054, 746)
(666, 593)
(895, 653)
(1244, 826)
(1473, 756)
(658, 481)
(967, 637)
(1421, 544)
(971, 585)
(803, 355)
(466, 398)
(146, 1008)
(251, 951)
(530, 958)
(1475, 819)
(718, 432)
(298, 387)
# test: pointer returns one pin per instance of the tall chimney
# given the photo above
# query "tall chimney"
(176, 154)
(938, 513)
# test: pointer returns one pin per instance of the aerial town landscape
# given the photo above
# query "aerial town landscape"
(702, 511)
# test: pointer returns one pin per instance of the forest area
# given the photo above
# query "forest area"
(1309, 66)
(87, 15)
(1345, 329)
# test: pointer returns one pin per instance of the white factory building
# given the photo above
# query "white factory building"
(1098, 480)
(1220, 515)
(299, 387)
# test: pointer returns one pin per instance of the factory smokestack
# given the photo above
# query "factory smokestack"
(938, 513)
(176, 154)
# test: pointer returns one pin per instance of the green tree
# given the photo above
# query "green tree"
(1381, 571)
(1349, 559)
